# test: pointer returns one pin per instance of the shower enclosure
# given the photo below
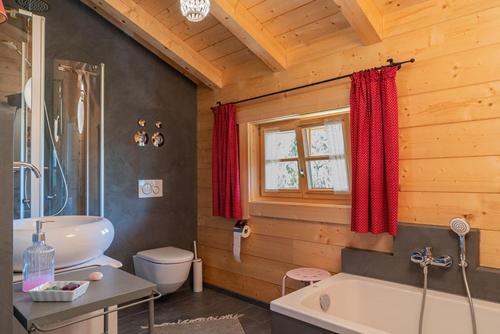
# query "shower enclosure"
(63, 137)
(74, 145)
(21, 93)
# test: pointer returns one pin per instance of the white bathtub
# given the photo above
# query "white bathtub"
(368, 306)
(76, 239)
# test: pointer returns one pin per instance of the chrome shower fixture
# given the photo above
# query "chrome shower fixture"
(9, 44)
(64, 68)
(461, 227)
(12, 46)
(38, 6)
(92, 70)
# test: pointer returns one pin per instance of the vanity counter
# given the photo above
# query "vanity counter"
(116, 287)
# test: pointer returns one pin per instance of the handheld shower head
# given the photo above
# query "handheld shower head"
(461, 227)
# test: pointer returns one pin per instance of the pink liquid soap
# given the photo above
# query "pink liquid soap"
(33, 282)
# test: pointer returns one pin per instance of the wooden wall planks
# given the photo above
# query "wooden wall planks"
(449, 141)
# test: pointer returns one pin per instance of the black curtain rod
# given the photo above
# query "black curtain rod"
(390, 61)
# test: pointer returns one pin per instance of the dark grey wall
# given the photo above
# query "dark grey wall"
(6, 127)
(138, 85)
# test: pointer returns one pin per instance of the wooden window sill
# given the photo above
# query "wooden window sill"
(317, 212)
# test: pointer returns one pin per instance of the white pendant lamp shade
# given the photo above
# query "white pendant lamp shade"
(195, 10)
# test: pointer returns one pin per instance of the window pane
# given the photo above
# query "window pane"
(282, 175)
(320, 174)
(316, 141)
(328, 174)
(280, 145)
(325, 139)
(335, 134)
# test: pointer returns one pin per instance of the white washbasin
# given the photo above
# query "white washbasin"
(76, 239)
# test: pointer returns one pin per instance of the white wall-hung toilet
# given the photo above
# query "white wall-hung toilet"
(168, 267)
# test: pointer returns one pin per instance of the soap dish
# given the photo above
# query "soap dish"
(41, 294)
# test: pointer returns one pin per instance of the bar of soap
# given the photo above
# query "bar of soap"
(96, 276)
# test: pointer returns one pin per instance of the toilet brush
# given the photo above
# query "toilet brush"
(197, 271)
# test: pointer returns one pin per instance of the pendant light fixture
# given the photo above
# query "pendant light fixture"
(3, 13)
(195, 10)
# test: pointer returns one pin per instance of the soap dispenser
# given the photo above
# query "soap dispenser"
(38, 261)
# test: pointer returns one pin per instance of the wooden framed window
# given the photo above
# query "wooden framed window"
(306, 158)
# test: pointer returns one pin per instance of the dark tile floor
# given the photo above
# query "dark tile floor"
(188, 305)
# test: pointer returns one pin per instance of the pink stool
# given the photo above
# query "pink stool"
(308, 275)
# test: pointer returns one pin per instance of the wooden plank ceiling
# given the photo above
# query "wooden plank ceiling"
(241, 31)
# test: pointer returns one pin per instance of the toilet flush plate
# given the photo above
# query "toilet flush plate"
(150, 188)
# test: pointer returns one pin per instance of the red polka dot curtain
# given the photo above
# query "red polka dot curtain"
(226, 199)
(375, 151)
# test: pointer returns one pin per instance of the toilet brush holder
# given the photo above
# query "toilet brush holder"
(197, 275)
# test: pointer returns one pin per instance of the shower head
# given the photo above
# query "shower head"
(460, 226)
(38, 6)
(64, 68)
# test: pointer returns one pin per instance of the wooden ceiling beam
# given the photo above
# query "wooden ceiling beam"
(364, 17)
(151, 33)
(250, 31)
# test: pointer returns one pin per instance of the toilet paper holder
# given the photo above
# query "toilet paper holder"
(242, 227)
(241, 230)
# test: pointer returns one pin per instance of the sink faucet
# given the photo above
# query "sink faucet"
(424, 258)
(33, 168)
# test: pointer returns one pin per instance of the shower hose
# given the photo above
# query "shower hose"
(424, 297)
(463, 264)
(58, 162)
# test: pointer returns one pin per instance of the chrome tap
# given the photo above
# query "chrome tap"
(18, 164)
(424, 258)
(442, 261)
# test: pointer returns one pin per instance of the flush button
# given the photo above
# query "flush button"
(150, 188)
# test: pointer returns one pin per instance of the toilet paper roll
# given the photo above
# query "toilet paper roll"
(240, 230)
(246, 232)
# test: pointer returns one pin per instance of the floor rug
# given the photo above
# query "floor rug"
(228, 324)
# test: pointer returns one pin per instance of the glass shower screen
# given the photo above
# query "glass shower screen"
(74, 140)
(16, 45)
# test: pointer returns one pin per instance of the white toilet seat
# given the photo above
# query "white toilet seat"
(166, 255)
(168, 267)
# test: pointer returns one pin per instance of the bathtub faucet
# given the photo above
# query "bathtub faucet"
(424, 258)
